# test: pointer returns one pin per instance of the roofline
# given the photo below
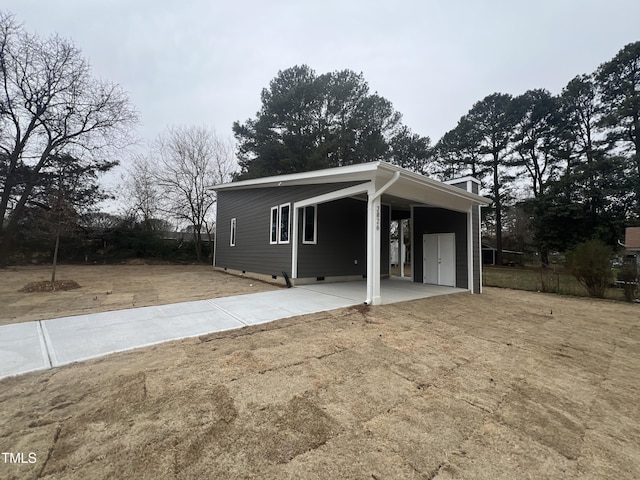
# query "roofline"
(368, 171)
(292, 177)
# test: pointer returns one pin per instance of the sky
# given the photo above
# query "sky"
(199, 62)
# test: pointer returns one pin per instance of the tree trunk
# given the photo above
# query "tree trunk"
(211, 244)
(197, 240)
(498, 206)
(55, 256)
(5, 248)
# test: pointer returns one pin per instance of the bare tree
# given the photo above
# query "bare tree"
(190, 160)
(142, 192)
(49, 102)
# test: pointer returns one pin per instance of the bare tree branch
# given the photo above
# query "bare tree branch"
(49, 102)
(189, 160)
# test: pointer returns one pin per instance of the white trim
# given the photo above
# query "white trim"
(480, 259)
(215, 238)
(358, 172)
(294, 246)
(470, 283)
(413, 247)
(233, 233)
(314, 240)
(273, 224)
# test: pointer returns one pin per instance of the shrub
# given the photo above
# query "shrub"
(590, 263)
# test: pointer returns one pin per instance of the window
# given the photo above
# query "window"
(280, 224)
(309, 225)
(284, 223)
(232, 238)
(274, 225)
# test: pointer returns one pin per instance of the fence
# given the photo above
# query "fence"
(540, 280)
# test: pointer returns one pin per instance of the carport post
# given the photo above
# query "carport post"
(294, 244)
(401, 249)
(374, 219)
(373, 250)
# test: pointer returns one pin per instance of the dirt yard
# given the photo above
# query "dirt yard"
(504, 385)
(113, 287)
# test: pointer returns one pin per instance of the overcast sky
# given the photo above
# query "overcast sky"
(205, 62)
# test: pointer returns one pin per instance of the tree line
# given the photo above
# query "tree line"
(575, 155)
(559, 169)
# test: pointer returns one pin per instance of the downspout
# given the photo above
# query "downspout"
(371, 240)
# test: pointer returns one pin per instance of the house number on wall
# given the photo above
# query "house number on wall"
(377, 218)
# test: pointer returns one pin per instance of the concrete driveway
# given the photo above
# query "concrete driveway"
(38, 345)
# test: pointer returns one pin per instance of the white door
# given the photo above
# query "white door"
(439, 259)
(430, 259)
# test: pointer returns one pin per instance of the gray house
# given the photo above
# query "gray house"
(334, 225)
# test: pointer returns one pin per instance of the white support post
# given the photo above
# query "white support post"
(294, 245)
(470, 250)
(374, 219)
(412, 247)
(480, 262)
(401, 248)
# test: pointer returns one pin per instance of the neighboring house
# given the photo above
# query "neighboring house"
(334, 224)
(632, 243)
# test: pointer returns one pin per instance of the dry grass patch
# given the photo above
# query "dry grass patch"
(111, 287)
(496, 386)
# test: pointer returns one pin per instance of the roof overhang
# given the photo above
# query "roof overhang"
(409, 189)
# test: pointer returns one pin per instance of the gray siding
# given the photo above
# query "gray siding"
(438, 220)
(341, 247)
(254, 253)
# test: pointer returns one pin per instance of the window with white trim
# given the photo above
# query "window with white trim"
(280, 224)
(274, 225)
(232, 237)
(310, 225)
(284, 223)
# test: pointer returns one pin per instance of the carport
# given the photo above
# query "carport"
(269, 226)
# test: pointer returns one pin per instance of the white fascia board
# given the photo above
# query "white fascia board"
(467, 178)
(361, 171)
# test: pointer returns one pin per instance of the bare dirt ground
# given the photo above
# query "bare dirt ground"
(113, 287)
(503, 385)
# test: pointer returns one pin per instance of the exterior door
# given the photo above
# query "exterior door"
(439, 259)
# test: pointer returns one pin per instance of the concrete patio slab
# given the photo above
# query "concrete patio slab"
(392, 290)
(30, 346)
(268, 306)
